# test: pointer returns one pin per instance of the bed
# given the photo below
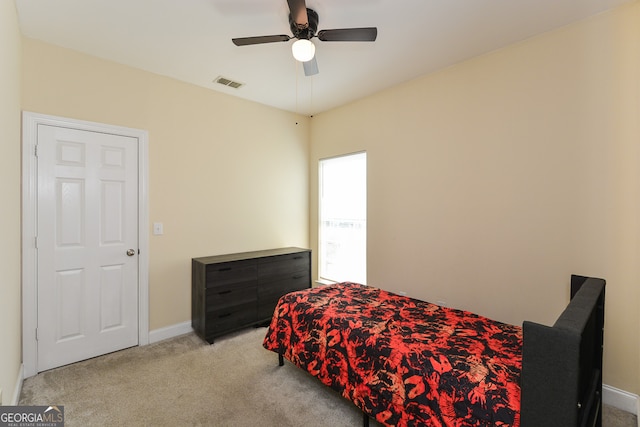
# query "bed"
(406, 362)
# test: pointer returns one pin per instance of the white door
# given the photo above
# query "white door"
(87, 244)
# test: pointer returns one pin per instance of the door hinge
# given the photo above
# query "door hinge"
(36, 334)
(35, 241)
(35, 151)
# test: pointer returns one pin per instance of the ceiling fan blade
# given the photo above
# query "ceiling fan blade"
(298, 9)
(245, 41)
(367, 34)
(310, 67)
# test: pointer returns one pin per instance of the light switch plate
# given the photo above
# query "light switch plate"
(158, 229)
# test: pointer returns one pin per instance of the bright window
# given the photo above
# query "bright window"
(343, 218)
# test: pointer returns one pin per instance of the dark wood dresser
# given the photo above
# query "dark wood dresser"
(233, 291)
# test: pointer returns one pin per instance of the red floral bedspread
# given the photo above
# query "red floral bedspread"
(403, 361)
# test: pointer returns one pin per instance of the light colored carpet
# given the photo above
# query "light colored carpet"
(184, 381)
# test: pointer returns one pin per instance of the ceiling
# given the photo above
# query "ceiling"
(190, 40)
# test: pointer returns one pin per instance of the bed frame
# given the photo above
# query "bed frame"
(561, 378)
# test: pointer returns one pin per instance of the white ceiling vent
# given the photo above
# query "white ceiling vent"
(228, 82)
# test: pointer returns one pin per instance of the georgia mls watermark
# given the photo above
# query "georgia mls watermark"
(31, 416)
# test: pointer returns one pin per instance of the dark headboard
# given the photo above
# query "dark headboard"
(561, 379)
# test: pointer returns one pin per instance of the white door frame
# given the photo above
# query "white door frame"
(30, 122)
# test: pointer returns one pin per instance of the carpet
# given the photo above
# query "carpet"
(184, 381)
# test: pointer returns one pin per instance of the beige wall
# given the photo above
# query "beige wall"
(492, 181)
(10, 329)
(226, 175)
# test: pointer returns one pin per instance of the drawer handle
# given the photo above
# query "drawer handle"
(297, 257)
(224, 315)
(224, 269)
(224, 292)
(298, 277)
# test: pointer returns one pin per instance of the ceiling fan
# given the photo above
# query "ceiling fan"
(304, 24)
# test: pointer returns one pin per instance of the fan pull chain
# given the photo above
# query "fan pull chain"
(311, 94)
(296, 73)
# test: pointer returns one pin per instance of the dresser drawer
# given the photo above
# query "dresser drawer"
(283, 266)
(280, 287)
(226, 273)
(229, 295)
(230, 318)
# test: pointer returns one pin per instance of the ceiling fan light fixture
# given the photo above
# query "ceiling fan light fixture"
(303, 50)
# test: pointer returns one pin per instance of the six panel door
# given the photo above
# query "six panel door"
(87, 244)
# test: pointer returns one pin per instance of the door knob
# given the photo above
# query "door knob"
(131, 252)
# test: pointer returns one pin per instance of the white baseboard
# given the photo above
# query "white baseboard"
(170, 332)
(15, 399)
(620, 399)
